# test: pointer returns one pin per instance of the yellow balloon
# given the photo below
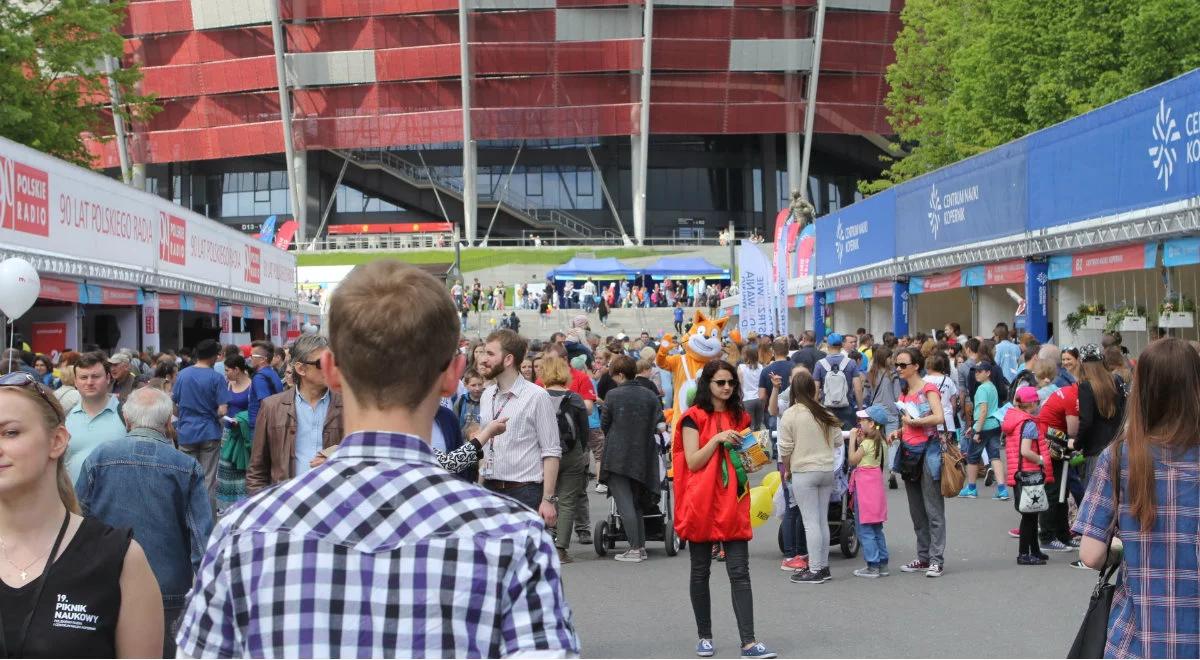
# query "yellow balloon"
(761, 505)
(772, 481)
(492, 321)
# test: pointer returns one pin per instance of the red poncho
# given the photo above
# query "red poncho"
(705, 509)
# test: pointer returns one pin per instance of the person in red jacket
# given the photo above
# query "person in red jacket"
(1026, 447)
(711, 503)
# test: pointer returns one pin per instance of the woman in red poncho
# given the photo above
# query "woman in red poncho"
(708, 506)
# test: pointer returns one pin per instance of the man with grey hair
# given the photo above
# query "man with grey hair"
(1051, 353)
(296, 424)
(144, 483)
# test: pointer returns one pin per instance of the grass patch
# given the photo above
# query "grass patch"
(473, 259)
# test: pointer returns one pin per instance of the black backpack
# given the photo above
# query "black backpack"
(568, 433)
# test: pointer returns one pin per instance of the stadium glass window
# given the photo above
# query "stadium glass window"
(533, 183)
(584, 183)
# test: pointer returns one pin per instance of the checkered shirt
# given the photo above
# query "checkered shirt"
(1156, 606)
(378, 553)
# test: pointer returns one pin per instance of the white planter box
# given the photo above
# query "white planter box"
(1133, 324)
(1177, 320)
(1095, 323)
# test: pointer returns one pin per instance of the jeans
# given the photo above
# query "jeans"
(208, 455)
(621, 488)
(529, 494)
(928, 510)
(572, 482)
(812, 490)
(737, 565)
(795, 542)
(757, 409)
(874, 545)
(171, 619)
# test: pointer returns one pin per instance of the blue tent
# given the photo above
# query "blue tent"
(580, 268)
(685, 267)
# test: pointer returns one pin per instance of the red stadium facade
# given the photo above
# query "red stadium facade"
(554, 95)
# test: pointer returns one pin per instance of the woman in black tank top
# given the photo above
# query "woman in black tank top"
(69, 586)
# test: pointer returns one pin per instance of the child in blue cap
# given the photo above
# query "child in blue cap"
(867, 450)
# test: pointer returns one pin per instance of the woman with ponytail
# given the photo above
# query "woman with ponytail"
(69, 586)
(1154, 468)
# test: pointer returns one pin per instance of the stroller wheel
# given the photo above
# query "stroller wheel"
(598, 538)
(849, 540)
(780, 535)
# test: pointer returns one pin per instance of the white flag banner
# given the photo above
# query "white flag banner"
(225, 314)
(151, 337)
(757, 308)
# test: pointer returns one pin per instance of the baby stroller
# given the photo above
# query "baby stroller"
(842, 529)
(659, 518)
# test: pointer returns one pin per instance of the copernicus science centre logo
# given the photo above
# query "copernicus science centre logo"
(1162, 154)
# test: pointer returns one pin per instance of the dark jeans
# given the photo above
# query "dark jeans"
(1053, 521)
(171, 617)
(632, 520)
(795, 541)
(1029, 533)
(737, 565)
(530, 494)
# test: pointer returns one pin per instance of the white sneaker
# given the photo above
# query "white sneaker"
(601, 488)
(631, 555)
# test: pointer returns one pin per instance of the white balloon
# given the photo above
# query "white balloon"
(19, 287)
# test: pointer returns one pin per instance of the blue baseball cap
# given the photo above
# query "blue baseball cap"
(875, 413)
(834, 339)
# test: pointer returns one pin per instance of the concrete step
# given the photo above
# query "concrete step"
(533, 326)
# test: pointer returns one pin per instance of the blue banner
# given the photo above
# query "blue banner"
(977, 199)
(818, 313)
(974, 276)
(857, 235)
(900, 308)
(916, 285)
(1061, 267)
(266, 232)
(1037, 300)
(1138, 152)
(1181, 252)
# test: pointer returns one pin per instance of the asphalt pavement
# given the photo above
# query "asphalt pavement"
(984, 606)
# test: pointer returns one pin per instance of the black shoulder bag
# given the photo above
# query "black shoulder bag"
(1093, 633)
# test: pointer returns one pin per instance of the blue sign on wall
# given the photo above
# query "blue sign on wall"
(980, 198)
(858, 235)
(1135, 153)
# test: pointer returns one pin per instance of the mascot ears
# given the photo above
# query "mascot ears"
(717, 323)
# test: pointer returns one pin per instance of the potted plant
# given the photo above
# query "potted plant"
(1127, 318)
(1177, 311)
(1089, 316)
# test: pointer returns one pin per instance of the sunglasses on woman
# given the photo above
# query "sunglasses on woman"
(22, 379)
(724, 383)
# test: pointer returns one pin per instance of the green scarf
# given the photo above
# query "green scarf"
(734, 458)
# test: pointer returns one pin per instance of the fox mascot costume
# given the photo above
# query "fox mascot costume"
(701, 343)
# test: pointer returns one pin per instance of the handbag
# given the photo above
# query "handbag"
(1031, 485)
(954, 468)
(1093, 632)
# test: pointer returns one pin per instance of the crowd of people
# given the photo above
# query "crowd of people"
(240, 501)
(590, 296)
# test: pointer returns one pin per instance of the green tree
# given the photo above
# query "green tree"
(971, 75)
(52, 74)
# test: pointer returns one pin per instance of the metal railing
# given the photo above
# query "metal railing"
(392, 242)
(518, 205)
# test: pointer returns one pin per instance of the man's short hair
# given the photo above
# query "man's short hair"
(266, 348)
(557, 350)
(512, 344)
(89, 360)
(1050, 353)
(393, 330)
(1030, 352)
(306, 347)
(229, 351)
(148, 408)
(207, 349)
(1001, 332)
(644, 365)
(624, 365)
(780, 347)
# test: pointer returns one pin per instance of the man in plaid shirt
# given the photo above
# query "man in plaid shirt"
(379, 552)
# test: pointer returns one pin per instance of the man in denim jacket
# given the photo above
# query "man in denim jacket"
(142, 482)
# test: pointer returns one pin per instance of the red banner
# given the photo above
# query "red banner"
(1114, 260)
(808, 300)
(846, 293)
(882, 290)
(1008, 272)
(170, 301)
(204, 304)
(114, 296)
(285, 234)
(49, 338)
(943, 282)
(400, 228)
(63, 290)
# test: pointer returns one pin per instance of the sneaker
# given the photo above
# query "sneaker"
(1057, 546)
(892, 483)
(1015, 532)
(704, 648)
(915, 566)
(990, 478)
(1001, 494)
(824, 574)
(601, 488)
(585, 537)
(969, 492)
(1078, 563)
(563, 557)
(1043, 555)
(883, 570)
(758, 650)
(935, 570)
(806, 577)
(631, 555)
(1031, 560)
(1074, 542)
(797, 563)
(868, 572)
